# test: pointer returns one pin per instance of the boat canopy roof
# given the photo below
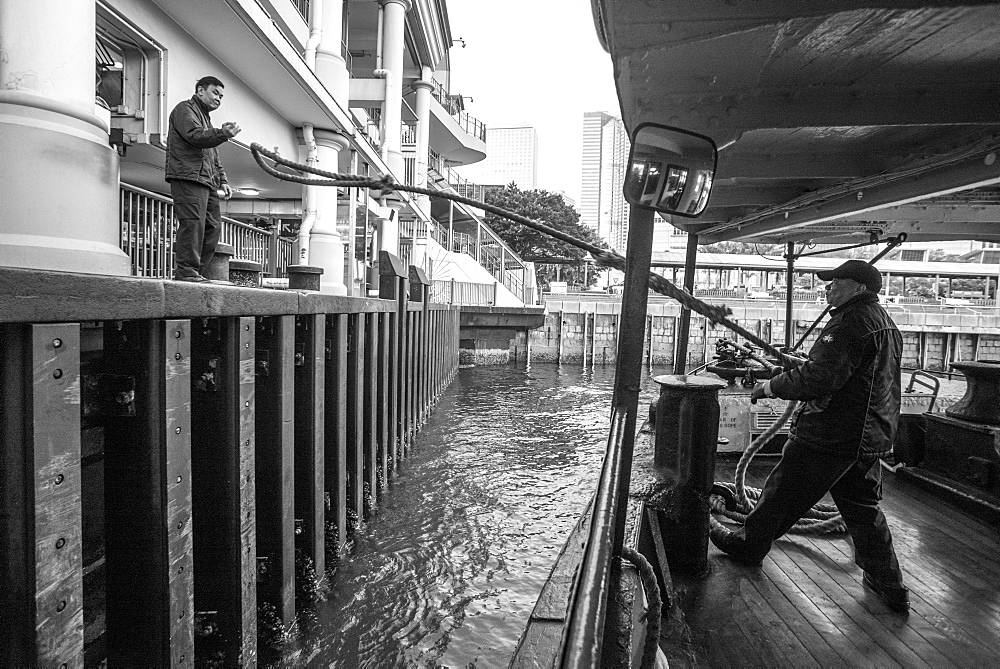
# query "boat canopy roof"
(833, 119)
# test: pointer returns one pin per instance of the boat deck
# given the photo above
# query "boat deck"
(806, 605)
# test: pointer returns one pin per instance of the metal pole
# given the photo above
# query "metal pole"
(789, 290)
(598, 588)
(680, 360)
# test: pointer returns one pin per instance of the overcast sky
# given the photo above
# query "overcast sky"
(536, 62)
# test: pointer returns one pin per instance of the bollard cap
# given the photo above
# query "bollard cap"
(688, 381)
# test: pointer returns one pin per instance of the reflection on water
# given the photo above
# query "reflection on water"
(449, 570)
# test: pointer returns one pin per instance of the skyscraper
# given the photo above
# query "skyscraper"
(605, 154)
(511, 155)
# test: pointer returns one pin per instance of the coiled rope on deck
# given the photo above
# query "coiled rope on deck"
(735, 500)
(605, 257)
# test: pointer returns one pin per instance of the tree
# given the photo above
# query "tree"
(532, 245)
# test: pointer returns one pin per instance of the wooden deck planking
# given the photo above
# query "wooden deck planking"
(939, 646)
(807, 606)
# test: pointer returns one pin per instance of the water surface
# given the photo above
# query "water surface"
(449, 570)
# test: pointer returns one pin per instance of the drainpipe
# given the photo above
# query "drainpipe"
(308, 197)
(383, 126)
(315, 33)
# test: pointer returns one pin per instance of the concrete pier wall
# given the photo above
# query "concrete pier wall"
(575, 331)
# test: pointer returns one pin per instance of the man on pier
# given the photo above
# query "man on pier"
(850, 389)
(196, 178)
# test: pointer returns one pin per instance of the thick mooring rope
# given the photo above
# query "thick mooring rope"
(652, 588)
(604, 257)
(736, 500)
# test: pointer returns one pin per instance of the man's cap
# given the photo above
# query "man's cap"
(858, 270)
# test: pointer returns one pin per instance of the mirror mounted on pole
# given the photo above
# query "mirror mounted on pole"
(670, 170)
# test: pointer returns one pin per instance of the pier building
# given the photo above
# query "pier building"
(181, 462)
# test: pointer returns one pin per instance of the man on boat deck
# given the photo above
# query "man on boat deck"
(850, 388)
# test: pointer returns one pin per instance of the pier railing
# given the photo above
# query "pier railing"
(175, 456)
(147, 236)
(463, 293)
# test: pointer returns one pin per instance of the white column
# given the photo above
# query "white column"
(393, 32)
(423, 88)
(326, 249)
(58, 174)
(331, 68)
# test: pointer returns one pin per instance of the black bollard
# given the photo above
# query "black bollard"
(687, 432)
(981, 402)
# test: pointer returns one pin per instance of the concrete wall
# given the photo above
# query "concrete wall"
(575, 329)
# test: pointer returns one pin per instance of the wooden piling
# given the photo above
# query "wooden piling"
(310, 433)
(384, 394)
(222, 473)
(335, 441)
(40, 511)
(369, 391)
(393, 286)
(149, 579)
(355, 417)
(275, 459)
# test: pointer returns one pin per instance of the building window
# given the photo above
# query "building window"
(130, 81)
(912, 255)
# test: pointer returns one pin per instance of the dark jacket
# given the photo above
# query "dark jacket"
(850, 383)
(191, 142)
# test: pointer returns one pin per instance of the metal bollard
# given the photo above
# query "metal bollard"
(686, 437)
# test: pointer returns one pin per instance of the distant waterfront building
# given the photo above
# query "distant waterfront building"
(570, 202)
(667, 238)
(605, 154)
(511, 156)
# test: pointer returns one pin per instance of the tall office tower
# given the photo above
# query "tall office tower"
(511, 155)
(605, 154)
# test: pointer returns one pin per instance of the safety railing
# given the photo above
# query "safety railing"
(302, 7)
(463, 292)
(147, 234)
(470, 124)
(455, 181)
(147, 231)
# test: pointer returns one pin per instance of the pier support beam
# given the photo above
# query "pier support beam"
(275, 459)
(41, 536)
(310, 377)
(147, 506)
(223, 486)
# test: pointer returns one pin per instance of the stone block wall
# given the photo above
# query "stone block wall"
(930, 341)
(911, 349)
(989, 347)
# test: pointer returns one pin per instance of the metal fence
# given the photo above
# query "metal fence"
(461, 292)
(147, 234)
(470, 124)
(302, 7)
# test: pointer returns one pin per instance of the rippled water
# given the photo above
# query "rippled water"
(449, 570)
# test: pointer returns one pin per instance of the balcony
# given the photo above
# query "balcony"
(453, 105)
(454, 134)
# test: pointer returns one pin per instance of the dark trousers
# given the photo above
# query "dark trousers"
(199, 225)
(799, 480)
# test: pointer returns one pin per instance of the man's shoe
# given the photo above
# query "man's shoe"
(725, 540)
(896, 597)
(197, 278)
